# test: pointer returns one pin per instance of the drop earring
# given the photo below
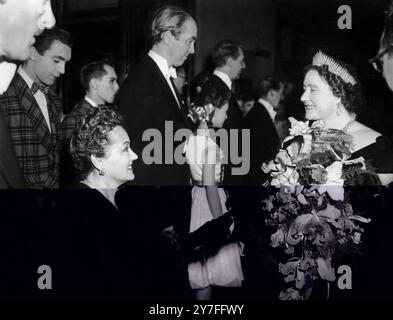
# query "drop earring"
(338, 111)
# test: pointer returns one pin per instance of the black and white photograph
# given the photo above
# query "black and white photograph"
(196, 156)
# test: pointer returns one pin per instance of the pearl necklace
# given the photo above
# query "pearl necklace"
(348, 125)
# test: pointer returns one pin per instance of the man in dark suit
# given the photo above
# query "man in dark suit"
(17, 32)
(228, 59)
(99, 80)
(32, 110)
(149, 102)
(264, 142)
(151, 106)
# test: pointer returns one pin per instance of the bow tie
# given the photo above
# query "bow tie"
(172, 73)
(42, 87)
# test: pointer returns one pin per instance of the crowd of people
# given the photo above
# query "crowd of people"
(143, 192)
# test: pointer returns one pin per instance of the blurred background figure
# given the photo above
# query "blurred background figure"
(260, 119)
(99, 80)
(383, 60)
(228, 60)
(20, 21)
(198, 82)
(246, 103)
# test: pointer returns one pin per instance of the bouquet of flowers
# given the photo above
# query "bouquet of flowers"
(310, 211)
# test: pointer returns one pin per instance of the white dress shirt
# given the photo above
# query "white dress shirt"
(269, 108)
(91, 102)
(7, 71)
(168, 72)
(224, 77)
(39, 96)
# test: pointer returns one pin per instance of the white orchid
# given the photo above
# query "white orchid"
(334, 185)
(298, 127)
(289, 177)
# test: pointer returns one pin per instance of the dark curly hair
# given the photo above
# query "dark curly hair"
(351, 95)
(210, 94)
(91, 137)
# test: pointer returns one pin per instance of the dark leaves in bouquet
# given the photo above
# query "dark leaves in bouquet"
(325, 158)
(305, 177)
(296, 141)
(354, 175)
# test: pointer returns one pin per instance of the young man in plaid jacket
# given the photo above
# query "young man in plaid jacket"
(17, 32)
(32, 110)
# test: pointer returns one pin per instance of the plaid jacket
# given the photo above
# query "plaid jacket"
(37, 150)
(71, 120)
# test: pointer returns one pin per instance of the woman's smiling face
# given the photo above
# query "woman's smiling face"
(318, 98)
(118, 157)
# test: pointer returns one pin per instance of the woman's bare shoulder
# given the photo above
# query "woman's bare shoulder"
(363, 135)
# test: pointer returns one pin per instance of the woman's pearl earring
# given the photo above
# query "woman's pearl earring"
(338, 111)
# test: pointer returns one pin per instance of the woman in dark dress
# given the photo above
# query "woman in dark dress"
(108, 235)
(332, 96)
(104, 239)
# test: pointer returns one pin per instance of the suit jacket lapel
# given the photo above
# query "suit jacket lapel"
(168, 92)
(183, 107)
(33, 111)
(53, 110)
(263, 111)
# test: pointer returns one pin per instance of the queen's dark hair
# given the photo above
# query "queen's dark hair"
(351, 95)
(91, 137)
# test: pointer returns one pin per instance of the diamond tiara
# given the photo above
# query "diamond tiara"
(321, 59)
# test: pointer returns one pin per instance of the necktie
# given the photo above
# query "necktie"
(42, 87)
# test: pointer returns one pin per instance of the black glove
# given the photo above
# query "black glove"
(216, 230)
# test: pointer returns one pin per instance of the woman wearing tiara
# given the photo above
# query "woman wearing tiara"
(217, 264)
(332, 96)
(329, 204)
